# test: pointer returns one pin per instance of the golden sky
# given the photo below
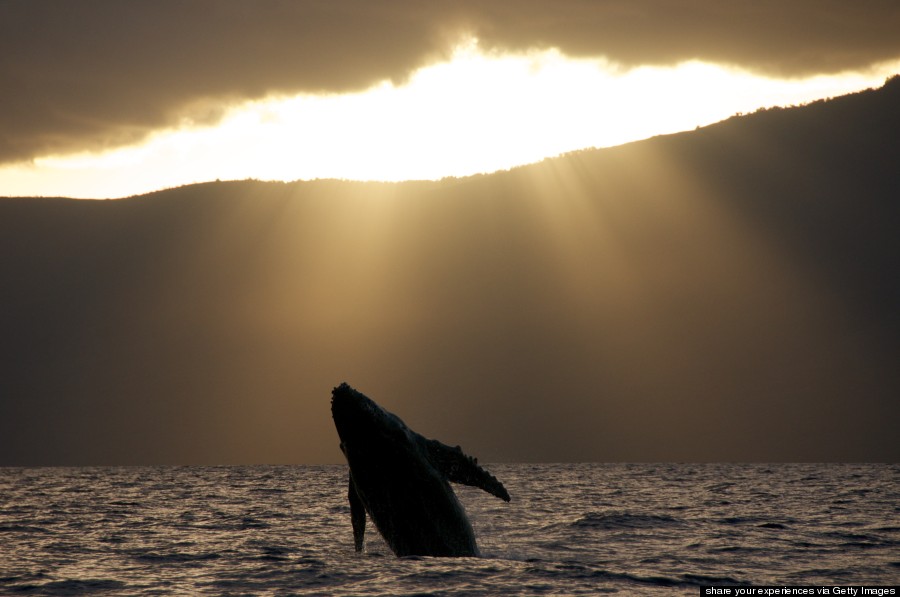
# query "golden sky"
(107, 99)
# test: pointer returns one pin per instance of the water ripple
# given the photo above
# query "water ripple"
(573, 529)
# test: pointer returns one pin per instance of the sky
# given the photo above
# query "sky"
(723, 294)
(106, 99)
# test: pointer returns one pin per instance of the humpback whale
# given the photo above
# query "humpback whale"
(401, 480)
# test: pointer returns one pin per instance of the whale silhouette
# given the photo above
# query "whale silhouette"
(401, 480)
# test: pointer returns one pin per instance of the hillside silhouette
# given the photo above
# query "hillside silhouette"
(729, 293)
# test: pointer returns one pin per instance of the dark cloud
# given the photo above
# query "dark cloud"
(777, 38)
(100, 73)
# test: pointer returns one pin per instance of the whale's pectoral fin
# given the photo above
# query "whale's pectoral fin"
(459, 467)
(357, 516)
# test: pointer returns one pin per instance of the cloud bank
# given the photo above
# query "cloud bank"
(101, 73)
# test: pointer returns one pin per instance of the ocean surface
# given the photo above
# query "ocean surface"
(571, 529)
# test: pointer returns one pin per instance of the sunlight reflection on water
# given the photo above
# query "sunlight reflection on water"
(571, 528)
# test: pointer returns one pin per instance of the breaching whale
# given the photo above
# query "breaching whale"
(401, 480)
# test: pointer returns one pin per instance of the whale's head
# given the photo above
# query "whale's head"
(361, 424)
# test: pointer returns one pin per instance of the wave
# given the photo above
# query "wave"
(23, 528)
(73, 587)
(623, 520)
(757, 521)
(582, 572)
(174, 557)
(860, 541)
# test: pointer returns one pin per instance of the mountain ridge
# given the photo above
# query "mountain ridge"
(889, 92)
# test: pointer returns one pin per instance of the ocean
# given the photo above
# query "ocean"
(571, 529)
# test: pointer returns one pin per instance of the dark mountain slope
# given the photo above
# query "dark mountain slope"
(727, 293)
